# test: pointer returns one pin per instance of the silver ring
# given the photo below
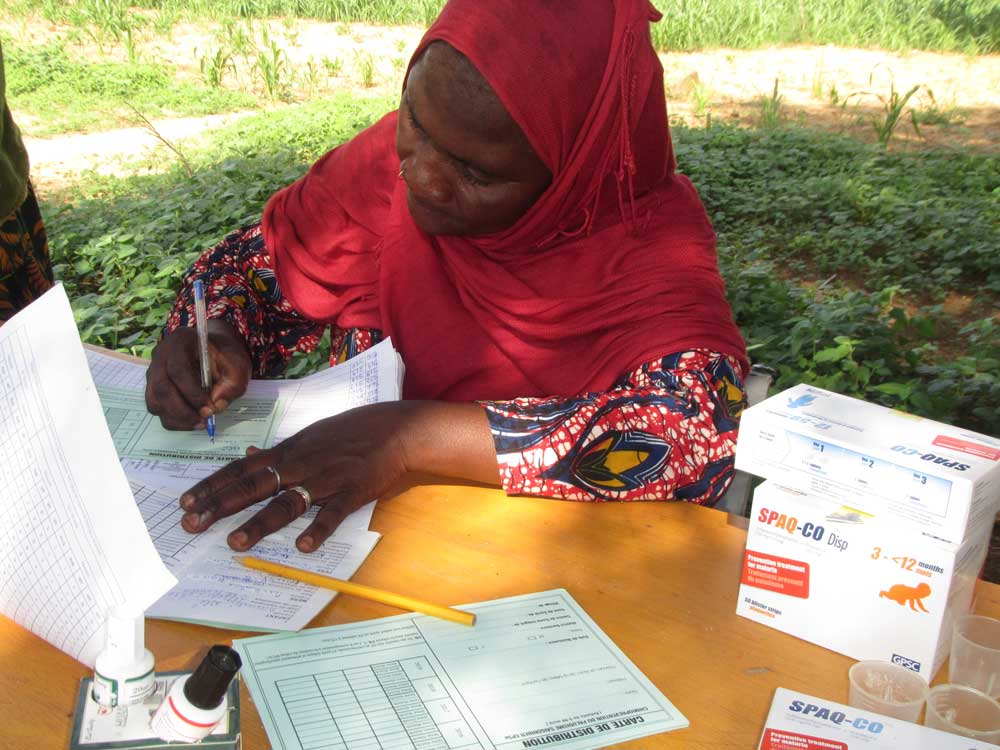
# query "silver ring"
(306, 497)
(277, 479)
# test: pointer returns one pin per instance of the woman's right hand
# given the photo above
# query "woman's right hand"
(173, 380)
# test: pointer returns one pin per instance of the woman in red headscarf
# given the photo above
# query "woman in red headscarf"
(518, 228)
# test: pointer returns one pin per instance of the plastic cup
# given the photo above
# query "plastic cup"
(888, 689)
(962, 710)
(975, 654)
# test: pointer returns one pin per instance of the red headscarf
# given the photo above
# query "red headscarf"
(612, 267)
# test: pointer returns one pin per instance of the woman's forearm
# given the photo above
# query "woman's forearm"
(450, 439)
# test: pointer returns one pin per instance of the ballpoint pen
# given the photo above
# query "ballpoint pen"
(201, 326)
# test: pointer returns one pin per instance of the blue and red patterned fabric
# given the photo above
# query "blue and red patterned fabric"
(664, 430)
(594, 331)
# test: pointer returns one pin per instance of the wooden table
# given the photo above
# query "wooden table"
(661, 579)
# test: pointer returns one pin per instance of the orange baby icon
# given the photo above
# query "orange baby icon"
(911, 595)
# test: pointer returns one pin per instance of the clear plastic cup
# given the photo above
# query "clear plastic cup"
(888, 689)
(975, 654)
(963, 710)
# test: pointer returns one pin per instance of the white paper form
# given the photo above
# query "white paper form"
(72, 544)
(216, 589)
(269, 412)
(535, 671)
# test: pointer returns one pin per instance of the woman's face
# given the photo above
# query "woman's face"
(469, 169)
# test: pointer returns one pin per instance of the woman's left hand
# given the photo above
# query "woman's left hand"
(339, 464)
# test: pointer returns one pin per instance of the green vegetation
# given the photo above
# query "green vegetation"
(787, 204)
(894, 108)
(823, 205)
(839, 256)
(121, 245)
(971, 26)
(770, 109)
(883, 236)
(66, 94)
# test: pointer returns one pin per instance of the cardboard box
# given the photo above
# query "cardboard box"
(853, 583)
(877, 460)
(801, 722)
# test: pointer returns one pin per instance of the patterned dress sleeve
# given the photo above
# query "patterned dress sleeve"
(664, 431)
(241, 288)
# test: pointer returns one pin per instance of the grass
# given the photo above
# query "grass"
(770, 109)
(967, 26)
(793, 210)
(63, 93)
(893, 109)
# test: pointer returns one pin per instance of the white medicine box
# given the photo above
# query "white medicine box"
(801, 722)
(880, 461)
(864, 586)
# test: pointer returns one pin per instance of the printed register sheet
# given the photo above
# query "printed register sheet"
(535, 671)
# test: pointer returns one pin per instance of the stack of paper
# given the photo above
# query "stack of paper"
(72, 543)
(215, 589)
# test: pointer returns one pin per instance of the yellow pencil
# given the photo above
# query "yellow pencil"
(358, 589)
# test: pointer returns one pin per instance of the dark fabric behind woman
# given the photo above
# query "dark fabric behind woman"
(25, 267)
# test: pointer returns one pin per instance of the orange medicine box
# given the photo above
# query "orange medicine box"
(867, 586)
(875, 459)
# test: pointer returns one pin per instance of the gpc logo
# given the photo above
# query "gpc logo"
(906, 662)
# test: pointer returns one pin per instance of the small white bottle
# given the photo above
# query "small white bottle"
(196, 703)
(123, 672)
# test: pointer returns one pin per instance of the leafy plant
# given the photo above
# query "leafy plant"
(833, 96)
(334, 66)
(817, 79)
(364, 65)
(272, 66)
(310, 74)
(238, 36)
(701, 99)
(214, 65)
(770, 109)
(111, 20)
(164, 20)
(894, 106)
(935, 114)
